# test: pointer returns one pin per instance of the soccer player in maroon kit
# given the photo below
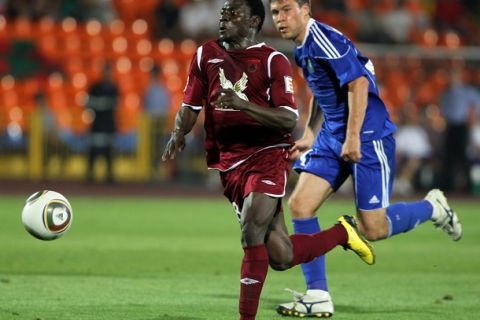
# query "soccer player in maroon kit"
(245, 89)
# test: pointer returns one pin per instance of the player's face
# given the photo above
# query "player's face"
(290, 19)
(234, 21)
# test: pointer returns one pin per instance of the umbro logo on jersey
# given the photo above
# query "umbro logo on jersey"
(374, 200)
(271, 183)
(215, 60)
(248, 281)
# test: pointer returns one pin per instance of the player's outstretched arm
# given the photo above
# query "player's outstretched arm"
(184, 122)
(357, 106)
(274, 118)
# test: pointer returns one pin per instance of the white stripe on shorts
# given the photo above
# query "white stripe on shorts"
(385, 170)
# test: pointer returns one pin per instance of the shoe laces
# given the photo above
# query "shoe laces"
(446, 222)
(297, 296)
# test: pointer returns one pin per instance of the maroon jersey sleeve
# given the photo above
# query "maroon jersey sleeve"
(281, 76)
(196, 88)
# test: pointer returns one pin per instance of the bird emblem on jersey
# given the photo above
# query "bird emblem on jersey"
(238, 87)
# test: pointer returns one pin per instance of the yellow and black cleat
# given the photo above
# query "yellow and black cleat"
(356, 242)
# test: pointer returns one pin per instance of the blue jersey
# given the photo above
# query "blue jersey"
(330, 61)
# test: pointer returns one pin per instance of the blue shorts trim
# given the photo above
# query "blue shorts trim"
(372, 176)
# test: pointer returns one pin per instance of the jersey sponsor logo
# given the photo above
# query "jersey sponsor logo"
(238, 87)
(288, 84)
(374, 200)
(249, 281)
(269, 182)
(215, 60)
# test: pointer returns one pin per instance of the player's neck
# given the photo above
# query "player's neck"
(239, 44)
(302, 34)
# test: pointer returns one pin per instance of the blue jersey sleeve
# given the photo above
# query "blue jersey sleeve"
(347, 68)
(339, 52)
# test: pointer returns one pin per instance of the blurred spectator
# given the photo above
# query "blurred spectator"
(167, 18)
(101, 10)
(413, 149)
(23, 59)
(449, 14)
(156, 101)
(33, 9)
(204, 11)
(458, 103)
(53, 146)
(103, 98)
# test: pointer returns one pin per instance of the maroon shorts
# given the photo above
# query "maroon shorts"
(265, 172)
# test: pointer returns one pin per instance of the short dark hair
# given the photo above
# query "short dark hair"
(300, 2)
(257, 9)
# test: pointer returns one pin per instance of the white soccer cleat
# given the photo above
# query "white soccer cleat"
(443, 216)
(314, 303)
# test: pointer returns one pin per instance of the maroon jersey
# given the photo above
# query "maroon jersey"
(259, 74)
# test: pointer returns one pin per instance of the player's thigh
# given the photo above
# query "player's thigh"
(258, 210)
(322, 171)
(309, 194)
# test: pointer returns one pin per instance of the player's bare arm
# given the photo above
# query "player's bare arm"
(314, 121)
(274, 118)
(357, 106)
(184, 122)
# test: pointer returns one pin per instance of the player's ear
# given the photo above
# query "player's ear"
(306, 9)
(254, 22)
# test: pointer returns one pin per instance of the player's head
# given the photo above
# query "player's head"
(291, 18)
(239, 18)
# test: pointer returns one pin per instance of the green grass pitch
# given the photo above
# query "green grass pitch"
(178, 259)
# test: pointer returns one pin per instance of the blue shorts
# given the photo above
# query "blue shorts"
(372, 176)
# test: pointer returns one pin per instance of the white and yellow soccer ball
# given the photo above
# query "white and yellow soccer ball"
(47, 215)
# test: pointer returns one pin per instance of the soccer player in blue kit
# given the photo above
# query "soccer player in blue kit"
(356, 139)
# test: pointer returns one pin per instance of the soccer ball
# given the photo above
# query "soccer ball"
(47, 215)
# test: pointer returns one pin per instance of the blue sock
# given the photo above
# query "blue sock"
(404, 216)
(314, 271)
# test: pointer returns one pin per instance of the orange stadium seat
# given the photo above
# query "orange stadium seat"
(22, 28)
(95, 47)
(127, 115)
(49, 47)
(5, 32)
(143, 48)
(46, 26)
(163, 49)
(139, 29)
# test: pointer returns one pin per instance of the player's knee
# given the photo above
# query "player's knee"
(279, 265)
(295, 206)
(374, 234)
(253, 233)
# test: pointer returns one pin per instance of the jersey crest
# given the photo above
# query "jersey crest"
(238, 87)
(310, 67)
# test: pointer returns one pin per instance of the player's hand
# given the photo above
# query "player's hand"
(300, 146)
(228, 99)
(351, 150)
(176, 142)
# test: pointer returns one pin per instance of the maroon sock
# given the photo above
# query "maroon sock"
(307, 247)
(253, 274)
